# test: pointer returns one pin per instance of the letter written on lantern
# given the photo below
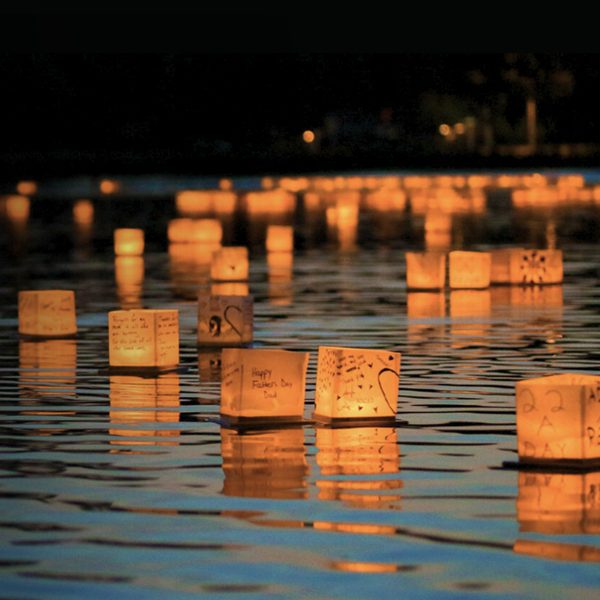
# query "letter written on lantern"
(265, 385)
(425, 270)
(558, 418)
(517, 265)
(225, 320)
(129, 242)
(230, 263)
(143, 338)
(469, 269)
(356, 384)
(47, 313)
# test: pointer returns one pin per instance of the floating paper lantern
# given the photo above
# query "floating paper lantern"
(109, 186)
(47, 313)
(230, 263)
(143, 338)
(206, 231)
(356, 383)
(17, 208)
(425, 270)
(179, 231)
(558, 418)
(266, 385)
(129, 277)
(517, 265)
(129, 242)
(264, 464)
(83, 212)
(469, 269)
(225, 320)
(280, 238)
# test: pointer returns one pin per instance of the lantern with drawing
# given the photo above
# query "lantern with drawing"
(517, 265)
(356, 384)
(469, 270)
(224, 320)
(143, 339)
(558, 418)
(129, 242)
(230, 263)
(263, 385)
(425, 270)
(47, 313)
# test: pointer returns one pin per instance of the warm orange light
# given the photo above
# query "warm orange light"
(230, 263)
(206, 231)
(459, 128)
(225, 320)
(17, 208)
(129, 242)
(47, 313)
(557, 551)
(263, 384)
(356, 383)
(27, 188)
(129, 278)
(445, 129)
(425, 270)
(425, 305)
(469, 269)
(195, 203)
(363, 567)
(83, 212)
(109, 186)
(229, 288)
(225, 184)
(269, 202)
(143, 338)
(517, 265)
(308, 136)
(179, 231)
(280, 238)
(386, 199)
(558, 418)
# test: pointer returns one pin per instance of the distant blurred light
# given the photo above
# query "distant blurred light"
(225, 184)
(27, 188)
(109, 186)
(459, 128)
(308, 136)
(444, 129)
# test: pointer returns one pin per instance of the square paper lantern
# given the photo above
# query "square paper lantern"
(230, 263)
(356, 383)
(129, 242)
(47, 313)
(225, 320)
(280, 238)
(425, 270)
(558, 418)
(469, 269)
(206, 231)
(266, 385)
(143, 338)
(517, 265)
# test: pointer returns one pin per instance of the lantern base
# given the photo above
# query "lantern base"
(357, 421)
(565, 465)
(141, 371)
(243, 423)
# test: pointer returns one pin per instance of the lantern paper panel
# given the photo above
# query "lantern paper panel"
(225, 320)
(264, 464)
(520, 266)
(47, 313)
(230, 263)
(209, 365)
(263, 384)
(469, 269)
(558, 418)
(425, 270)
(143, 338)
(129, 242)
(558, 503)
(280, 238)
(501, 261)
(356, 383)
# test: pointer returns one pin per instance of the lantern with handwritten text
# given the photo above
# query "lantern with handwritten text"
(47, 313)
(224, 320)
(143, 338)
(129, 242)
(558, 418)
(263, 385)
(469, 269)
(517, 265)
(356, 384)
(280, 238)
(425, 270)
(230, 263)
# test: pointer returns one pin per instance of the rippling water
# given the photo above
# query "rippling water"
(127, 487)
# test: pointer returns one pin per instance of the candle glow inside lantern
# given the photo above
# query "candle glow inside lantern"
(129, 242)
(469, 269)
(225, 320)
(47, 313)
(356, 384)
(143, 338)
(558, 418)
(520, 266)
(263, 385)
(280, 238)
(230, 263)
(425, 270)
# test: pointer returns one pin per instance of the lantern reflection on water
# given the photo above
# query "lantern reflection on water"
(129, 278)
(558, 418)
(557, 551)
(230, 263)
(225, 320)
(83, 212)
(129, 242)
(264, 464)
(469, 269)
(263, 384)
(517, 265)
(425, 270)
(47, 313)
(356, 383)
(280, 269)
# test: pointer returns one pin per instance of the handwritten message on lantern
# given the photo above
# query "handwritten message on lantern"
(225, 320)
(47, 313)
(143, 338)
(425, 270)
(469, 269)
(517, 265)
(356, 383)
(230, 263)
(558, 417)
(265, 384)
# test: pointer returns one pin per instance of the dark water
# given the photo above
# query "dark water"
(125, 487)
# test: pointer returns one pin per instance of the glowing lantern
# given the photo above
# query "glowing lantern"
(225, 320)
(265, 385)
(129, 242)
(264, 464)
(225, 184)
(179, 231)
(280, 238)
(193, 202)
(230, 263)
(129, 277)
(47, 313)
(143, 338)
(109, 186)
(83, 212)
(517, 265)
(17, 208)
(558, 418)
(469, 269)
(206, 231)
(27, 188)
(425, 270)
(356, 383)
